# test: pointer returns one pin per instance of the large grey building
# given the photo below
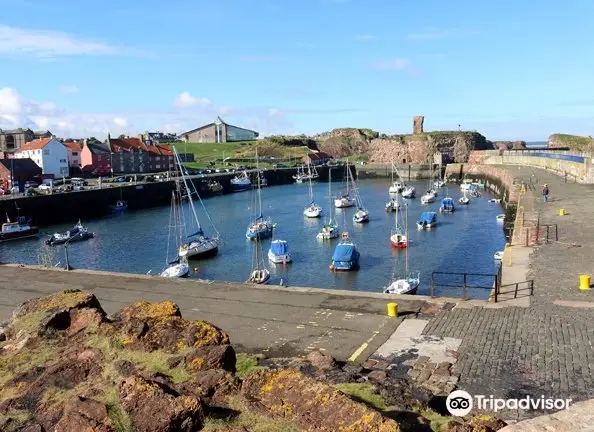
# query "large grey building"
(219, 132)
(13, 139)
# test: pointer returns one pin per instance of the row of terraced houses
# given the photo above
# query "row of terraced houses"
(39, 153)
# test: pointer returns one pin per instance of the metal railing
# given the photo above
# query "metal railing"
(466, 281)
(529, 286)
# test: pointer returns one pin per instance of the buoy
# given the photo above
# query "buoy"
(331, 267)
(562, 212)
(392, 309)
(195, 269)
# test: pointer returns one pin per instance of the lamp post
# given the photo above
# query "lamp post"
(67, 267)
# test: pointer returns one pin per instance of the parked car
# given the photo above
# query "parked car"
(120, 180)
(44, 187)
(279, 165)
(31, 184)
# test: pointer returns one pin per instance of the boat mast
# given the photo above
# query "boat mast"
(258, 184)
(407, 242)
(187, 188)
(330, 193)
(392, 172)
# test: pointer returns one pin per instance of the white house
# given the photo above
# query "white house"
(48, 153)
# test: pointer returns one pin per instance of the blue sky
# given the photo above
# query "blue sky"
(511, 70)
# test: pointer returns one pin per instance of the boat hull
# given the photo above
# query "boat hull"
(345, 266)
(19, 235)
(259, 277)
(399, 242)
(181, 270)
(54, 241)
(279, 259)
(266, 232)
(361, 217)
(196, 250)
(403, 287)
(329, 232)
(240, 186)
(344, 202)
(312, 212)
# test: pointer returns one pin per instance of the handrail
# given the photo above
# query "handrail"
(494, 286)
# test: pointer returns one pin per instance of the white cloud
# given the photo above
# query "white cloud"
(48, 44)
(69, 89)
(395, 64)
(121, 122)
(19, 111)
(366, 37)
(185, 99)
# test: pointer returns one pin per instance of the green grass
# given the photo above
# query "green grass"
(14, 419)
(363, 392)
(574, 142)
(247, 364)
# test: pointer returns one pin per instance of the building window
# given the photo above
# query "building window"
(158, 158)
(63, 171)
(74, 153)
(62, 160)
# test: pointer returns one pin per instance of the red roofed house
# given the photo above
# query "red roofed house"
(95, 158)
(130, 155)
(316, 158)
(48, 153)
(74, 149)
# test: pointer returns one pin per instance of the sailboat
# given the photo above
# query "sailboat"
(407, 283)
(198, 244)
(259, 227)
(346, 256)
(302, 175)
(431, 193)
(397, 238)
(361, 215)
(178, 267)
(312, 210)
(464, 200)
(330, 228)
(397, 186)
(260, 274)
(345, 200)
(447, 205)
(409, 192)
(120, 206)
(440, 182)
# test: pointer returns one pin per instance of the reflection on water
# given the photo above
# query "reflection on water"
(136, 242)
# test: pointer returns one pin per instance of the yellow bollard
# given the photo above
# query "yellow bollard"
(561, 212)
(585, 282)
(392, 309)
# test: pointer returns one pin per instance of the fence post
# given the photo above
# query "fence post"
(547, 240)
(532, 287)
(556, 232)
(432, 286)
(464, 288)
(496, 287)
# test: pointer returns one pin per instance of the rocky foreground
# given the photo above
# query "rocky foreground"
(67, 366)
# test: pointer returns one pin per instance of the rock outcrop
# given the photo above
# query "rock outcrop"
(509, 145)
(572, 142)
(415, 149)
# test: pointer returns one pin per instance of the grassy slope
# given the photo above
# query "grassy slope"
(574, 142)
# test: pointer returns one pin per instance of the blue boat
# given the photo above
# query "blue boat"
(427, 220)
(346, 256)
(447, 205)
(279, 252)
(241, 182)
(120, 207)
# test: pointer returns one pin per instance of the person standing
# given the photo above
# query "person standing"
(545, 193)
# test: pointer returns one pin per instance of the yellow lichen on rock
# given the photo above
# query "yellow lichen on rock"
(208, 334)
(197, 363)
(151, 311)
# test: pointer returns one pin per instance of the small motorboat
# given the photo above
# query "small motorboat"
(120, 207)
(464, 200)
(439, 183)
(427, 220)
(259, 276)
(346, 256)
(495, 200)
(447, 205)
(78, 233)
(409, 192)
(214, 187)
(500, 218)
(498, 255)
(398, 240)
(408, 285)
(241, 182)
(177, 269)
(329, 231)
(361, 216)
(279, 252)
(392, 205)
(466, 184)
(20, 229)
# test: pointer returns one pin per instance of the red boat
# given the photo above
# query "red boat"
(398, 240)
(17, 230)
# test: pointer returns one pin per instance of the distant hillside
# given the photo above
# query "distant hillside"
(574, 142)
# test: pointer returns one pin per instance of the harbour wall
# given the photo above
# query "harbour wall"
(69, 207)
(406, 171)
(579, 167)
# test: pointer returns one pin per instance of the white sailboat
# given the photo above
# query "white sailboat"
(397, 186)
(397, 238)
(301, 175)
(409, 192)
(330, 228)
(362, 214)
(312, 210)
(259, 226)
(345, 200)
(409, 282)
(178, 267)
(431, 193)
(260, 274)
(197, 244)
(464, 200)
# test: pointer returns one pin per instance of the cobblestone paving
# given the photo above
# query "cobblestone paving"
(545, 349)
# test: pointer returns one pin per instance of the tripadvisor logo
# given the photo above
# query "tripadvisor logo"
(459, 403)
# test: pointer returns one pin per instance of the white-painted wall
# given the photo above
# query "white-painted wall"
(52, 158)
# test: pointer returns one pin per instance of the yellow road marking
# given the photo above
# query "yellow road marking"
(362, 347)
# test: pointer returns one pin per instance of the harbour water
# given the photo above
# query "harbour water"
(136, 242)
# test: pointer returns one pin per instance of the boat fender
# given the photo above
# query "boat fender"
(196, 269)
(331, 267)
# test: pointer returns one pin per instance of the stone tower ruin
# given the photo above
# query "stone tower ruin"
(418, 124)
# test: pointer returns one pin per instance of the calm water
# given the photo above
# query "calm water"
(136, 242)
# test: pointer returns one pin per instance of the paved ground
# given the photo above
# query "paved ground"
(274, 320)
(546, 348)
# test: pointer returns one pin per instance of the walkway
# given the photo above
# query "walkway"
(546, 348)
